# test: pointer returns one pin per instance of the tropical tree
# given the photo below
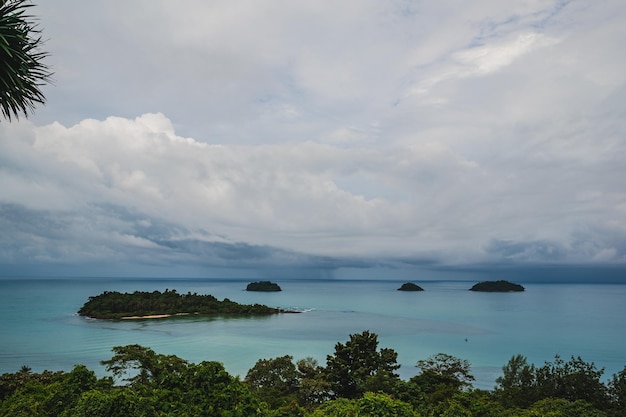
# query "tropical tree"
(560, 407)
(617, 390)
(48, 393)
(370, 404)
(314, 388)
(479, 403)
(358, 366)
(168, 385)
(444, 369)
(442, 376)
(114, 403)
(275, 381)
(573, 380)
(140, 365)
(209, 391)
(517, 386)
(281, 383)
(10, 383)
(447, 366)
(22, 70)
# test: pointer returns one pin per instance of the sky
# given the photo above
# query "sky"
(321, 139)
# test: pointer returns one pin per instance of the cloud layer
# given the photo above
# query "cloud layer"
(260, 133)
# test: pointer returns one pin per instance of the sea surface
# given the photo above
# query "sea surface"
(39, 326)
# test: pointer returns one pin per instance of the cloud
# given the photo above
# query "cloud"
(377, 132)
(106, 233)
(482, 60)
(181, 198)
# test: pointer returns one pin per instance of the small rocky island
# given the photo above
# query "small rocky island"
(409, 286)
(265, 286)
(156, 304)
(497, 286)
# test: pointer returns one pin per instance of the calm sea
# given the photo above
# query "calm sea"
(39, 326)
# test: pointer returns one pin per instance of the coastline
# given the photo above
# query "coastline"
(154, 316)
(164, 316)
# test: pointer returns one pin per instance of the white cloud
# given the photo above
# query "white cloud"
(482, 60)
(487, 59)
(419, 200)
(376, 128)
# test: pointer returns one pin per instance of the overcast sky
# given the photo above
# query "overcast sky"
(203, 136)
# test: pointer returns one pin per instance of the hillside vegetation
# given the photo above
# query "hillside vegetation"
(359, 379)
(116, 305)
(497, 286)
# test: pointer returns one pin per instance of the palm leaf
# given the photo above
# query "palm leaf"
(22, 70)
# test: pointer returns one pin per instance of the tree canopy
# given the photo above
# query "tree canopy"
(497, 286)
(358, 366)
(116, 305)
(263, 286)
(358, 380)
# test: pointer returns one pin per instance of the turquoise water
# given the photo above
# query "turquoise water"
(39, 327)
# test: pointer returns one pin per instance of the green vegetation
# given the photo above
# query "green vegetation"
(409, 286)
(22, 71)
(116, 305)
(358, 366)
(497, 286)
(359, 379)
(263, 286)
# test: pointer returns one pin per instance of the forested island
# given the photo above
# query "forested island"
(497, 286)
(263, 286)
(409, 286)
(358, 379)
(156, 304)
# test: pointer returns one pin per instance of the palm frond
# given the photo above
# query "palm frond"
(22, 70)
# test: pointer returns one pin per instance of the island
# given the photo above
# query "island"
(265, 286)
(497, 286)
(409, 286)
(156, 304)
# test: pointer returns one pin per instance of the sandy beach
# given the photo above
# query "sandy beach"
(154, 316)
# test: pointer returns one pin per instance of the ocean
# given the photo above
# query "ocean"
(39, 327)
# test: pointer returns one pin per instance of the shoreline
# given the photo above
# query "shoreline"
(154, 316)
(164, 316)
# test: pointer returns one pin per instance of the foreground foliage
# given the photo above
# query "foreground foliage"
(116, 305)
(22, 70)
(359, 379)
